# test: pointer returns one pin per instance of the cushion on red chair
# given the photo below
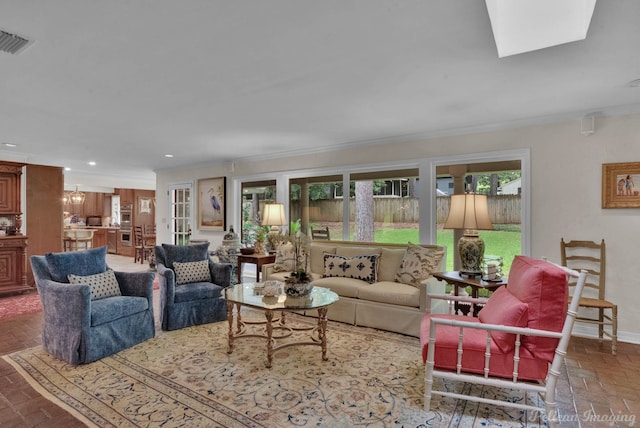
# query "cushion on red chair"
(503, 308)
(543, 287)
(473, 355)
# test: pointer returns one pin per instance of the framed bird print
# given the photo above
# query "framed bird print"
(212, 203)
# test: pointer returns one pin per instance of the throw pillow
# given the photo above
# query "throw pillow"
(285, 259)
(503, 308)
(390, 261)
(102, 285)
(185, 253)
(418, 264)
(84, 262)
(189, 272)
(364, 268)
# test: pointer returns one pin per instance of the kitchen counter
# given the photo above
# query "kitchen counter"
(100, 234)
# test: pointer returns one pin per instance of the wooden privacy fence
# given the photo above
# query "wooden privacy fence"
(503, 209)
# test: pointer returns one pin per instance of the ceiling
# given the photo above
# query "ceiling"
(123, 83)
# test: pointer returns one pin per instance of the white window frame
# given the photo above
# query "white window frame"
(173, 233)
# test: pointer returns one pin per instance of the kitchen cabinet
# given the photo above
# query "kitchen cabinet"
(99, 237)
(93, 204)
(127, 196)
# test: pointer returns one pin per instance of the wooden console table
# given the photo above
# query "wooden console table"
(256, 259)
(457, 280)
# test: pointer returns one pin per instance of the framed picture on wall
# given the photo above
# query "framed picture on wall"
(621, 185)
(211, 203)
(144, 205)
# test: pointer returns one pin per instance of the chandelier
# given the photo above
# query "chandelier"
(75, 197)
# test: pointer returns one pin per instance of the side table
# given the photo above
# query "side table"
(256, 259)
(457, 280)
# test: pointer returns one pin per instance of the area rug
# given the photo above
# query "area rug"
(19, 305)
(186, 378)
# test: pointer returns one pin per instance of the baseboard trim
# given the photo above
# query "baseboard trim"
(592, 333)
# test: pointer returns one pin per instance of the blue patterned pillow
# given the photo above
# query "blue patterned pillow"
(102, 284)
(189, 272)
(185, 253)
(85, 262)
(364, 268)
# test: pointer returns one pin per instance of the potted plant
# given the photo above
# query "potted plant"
(261, 238)
(299, 282)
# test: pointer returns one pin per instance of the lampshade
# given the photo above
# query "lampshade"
(468, 211)
(274, 215)
(471, 213)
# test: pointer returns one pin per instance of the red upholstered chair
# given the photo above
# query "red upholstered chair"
(520, 336)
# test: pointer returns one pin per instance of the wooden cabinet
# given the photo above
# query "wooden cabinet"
(99, 237)
(10, 175)
(127, 196)
(13, 264)
(93, 204)
(13, 245)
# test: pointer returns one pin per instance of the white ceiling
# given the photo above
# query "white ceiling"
(124, 82)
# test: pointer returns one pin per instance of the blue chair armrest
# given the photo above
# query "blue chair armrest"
(64, 304)
(136, 283)
(220, 273)
(167, 279)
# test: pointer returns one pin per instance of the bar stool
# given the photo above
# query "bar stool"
(78, 239)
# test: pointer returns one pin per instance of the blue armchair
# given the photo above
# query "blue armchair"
(89, 310)
(191, 286)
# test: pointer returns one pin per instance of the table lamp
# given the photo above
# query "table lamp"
(471, 213)
(273, 216)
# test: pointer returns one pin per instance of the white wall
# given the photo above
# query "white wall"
(566, 176)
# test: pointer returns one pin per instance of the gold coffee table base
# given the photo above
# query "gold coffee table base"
(318, 335)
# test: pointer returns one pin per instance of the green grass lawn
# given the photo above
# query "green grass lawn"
(504, 241)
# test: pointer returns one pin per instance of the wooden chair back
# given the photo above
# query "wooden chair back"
(320, 233)
(591, 257)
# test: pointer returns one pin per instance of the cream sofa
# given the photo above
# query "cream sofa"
(385, 304)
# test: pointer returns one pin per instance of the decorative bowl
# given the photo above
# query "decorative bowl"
(298, 289)
(247, 251)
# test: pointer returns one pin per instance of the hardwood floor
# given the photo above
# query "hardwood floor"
(596, 389)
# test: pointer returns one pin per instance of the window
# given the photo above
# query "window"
(316, 202)
(379, 218)
(180, 205)
(504, 209)
(255, 195)
(382, 206)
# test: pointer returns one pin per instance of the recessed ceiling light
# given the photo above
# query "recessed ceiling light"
(66, 168)
(92, 163)
(168, 156)
(9, 145)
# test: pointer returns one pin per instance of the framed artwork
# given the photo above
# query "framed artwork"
(211, 203)
(144, 205)
(621, 185)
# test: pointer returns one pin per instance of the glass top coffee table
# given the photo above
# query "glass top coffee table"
(245, 295)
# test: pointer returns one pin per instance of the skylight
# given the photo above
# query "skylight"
(527, 25)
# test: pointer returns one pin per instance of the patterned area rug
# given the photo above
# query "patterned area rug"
(19, 305)
(186, 378)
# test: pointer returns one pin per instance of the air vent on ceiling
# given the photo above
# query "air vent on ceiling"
(13, 43)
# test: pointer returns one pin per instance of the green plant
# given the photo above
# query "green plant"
(261, 233)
